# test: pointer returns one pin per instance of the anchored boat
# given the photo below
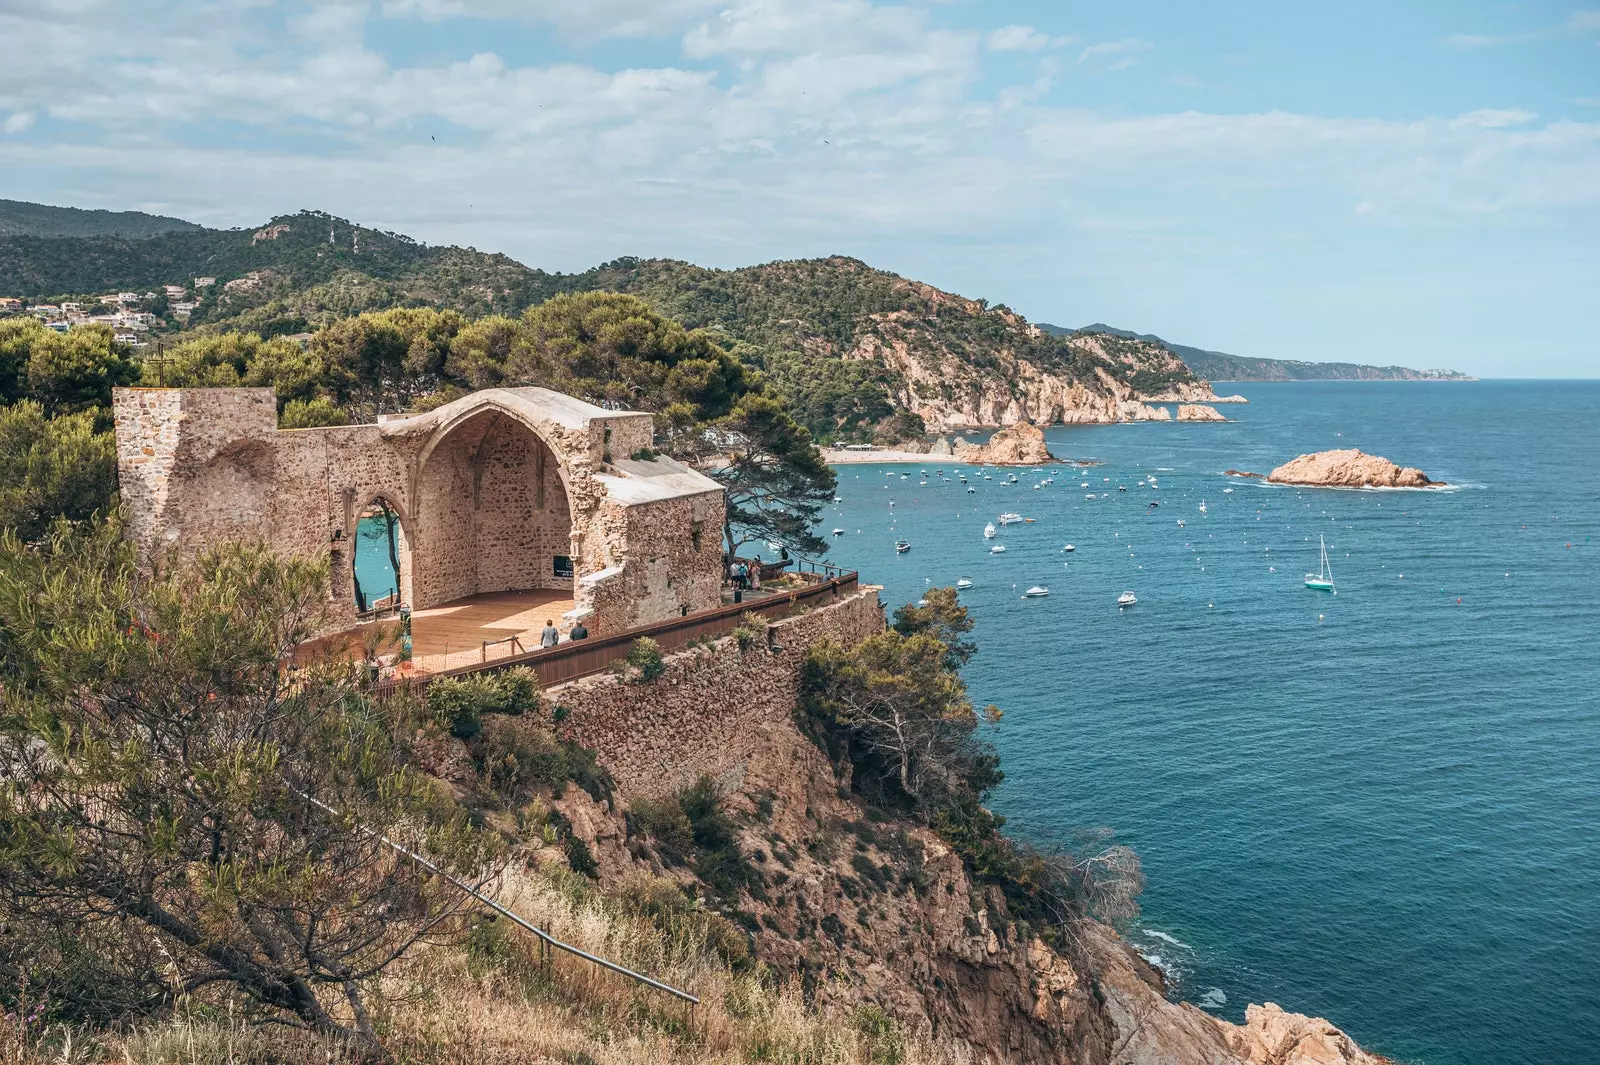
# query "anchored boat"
(1036, 592)
(1322, 580)
(1127, 599)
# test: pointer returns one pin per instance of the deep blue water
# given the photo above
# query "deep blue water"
(1382, 807)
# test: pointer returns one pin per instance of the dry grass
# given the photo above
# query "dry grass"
(492, 1002)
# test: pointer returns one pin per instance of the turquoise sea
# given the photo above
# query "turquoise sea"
(1382, 807)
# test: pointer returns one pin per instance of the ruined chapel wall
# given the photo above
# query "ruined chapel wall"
(522, 520)
(671, 571)
(713, 709)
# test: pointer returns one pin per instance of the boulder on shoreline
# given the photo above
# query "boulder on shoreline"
(1020, 445)
(1349, 468)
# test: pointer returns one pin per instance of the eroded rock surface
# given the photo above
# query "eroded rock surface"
(1199, 412)
(1021, 445)
(1349, 468)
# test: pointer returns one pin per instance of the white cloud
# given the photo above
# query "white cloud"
(784, 127)
(1017, 39)
(1584, 22)
(1118, 54)
(1493, 118)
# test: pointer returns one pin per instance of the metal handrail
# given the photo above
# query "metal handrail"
(546, 937)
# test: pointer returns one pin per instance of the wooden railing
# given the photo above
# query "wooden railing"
(582, 658)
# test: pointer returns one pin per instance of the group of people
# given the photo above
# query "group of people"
(746, 576)
(552, 635)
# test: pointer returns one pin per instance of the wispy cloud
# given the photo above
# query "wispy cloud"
(1120, 54)
(1025, 39)
(1493, 118)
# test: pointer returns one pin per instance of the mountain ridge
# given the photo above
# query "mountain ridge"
(858, 352)
(1221, 366)
(21, 218)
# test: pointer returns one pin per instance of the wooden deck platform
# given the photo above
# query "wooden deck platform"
(463, 625)
(452, 634)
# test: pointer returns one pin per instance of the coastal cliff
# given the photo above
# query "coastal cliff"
(1349, 468)
(875, 913)
(948, 390)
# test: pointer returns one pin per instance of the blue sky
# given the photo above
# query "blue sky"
(1413, 183)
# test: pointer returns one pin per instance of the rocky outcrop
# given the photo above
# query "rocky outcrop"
(1198, 412)
(941, 448)
(1152, 1030)
(1235, 398)
(1349, 468)
(948, 391)
(1240, 473)
(1271, 1035)
(1021, 445)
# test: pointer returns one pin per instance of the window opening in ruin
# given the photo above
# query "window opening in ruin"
(376, 558)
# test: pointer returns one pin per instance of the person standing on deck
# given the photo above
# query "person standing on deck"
(551, 635)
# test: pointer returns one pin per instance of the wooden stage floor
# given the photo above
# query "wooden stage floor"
(463, 624)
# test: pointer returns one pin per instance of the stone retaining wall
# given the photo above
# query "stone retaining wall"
(713, 708)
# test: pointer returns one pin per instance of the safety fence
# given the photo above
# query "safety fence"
(582, 658)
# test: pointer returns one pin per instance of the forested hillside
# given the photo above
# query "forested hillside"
(20, 219)
(858, 352)
(1220, 366)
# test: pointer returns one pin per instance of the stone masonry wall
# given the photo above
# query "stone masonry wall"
(713, 709)
(202, 466)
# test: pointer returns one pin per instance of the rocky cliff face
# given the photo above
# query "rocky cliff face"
(875, 911)
(1078, 380)
(1349, 468)
(865, 908)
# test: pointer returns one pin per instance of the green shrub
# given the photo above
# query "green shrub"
(579, 857)
(752, 628)
(460, 703)
(645, 656)
(691, 824)
(515, 758)
(664, 822)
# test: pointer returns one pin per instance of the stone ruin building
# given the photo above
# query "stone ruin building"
(503, 490)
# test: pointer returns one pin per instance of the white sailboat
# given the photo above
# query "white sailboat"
(1322, 580)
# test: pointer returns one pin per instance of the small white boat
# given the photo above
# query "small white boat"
(1202, 506)
(964, 582)
(1127, 599)
(998, 549)
(1068, 548)
(1227, 491)
(838, 532)
(901, 547)
(971, 490)
(1322, 580)
(1122, 488)
(988, 531)
(1009, 518)
(1037, 591)
(1180, 523)
(1085, 484)
(1089, 496)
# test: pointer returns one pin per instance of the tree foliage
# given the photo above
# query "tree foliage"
(160, 826)
(52, 468)
(896, 711)
(776, 480)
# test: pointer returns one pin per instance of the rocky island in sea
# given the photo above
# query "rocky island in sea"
(1349, 468)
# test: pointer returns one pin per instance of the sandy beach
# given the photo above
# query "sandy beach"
(855, 458)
